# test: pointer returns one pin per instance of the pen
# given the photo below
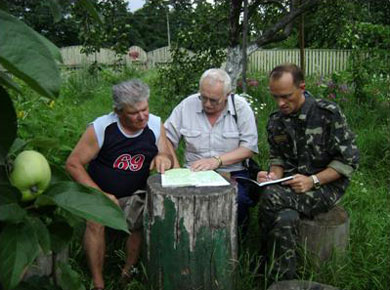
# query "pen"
(268, 171)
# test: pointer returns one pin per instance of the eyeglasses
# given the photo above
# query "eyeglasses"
(213, 102)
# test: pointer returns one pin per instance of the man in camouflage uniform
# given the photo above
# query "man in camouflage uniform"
(310, 140)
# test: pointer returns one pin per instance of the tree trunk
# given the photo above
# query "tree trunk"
(190, 236)
(233, 65)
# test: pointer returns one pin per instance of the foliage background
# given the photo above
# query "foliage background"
(54, 128)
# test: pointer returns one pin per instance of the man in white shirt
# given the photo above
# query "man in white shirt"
(219, 131)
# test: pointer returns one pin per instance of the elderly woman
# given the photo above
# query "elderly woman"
(120, 148)
(219, 131)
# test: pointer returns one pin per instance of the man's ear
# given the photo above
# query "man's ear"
(302, 85)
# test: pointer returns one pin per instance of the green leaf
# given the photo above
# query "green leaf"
(54, 51)
(9, 207)
(7, 122)
(18, 249)
(92, 11)
(27, 56)
(36, 283)
(60, 235)
(44, 200)
(42, 233)
(55, 10)
(87, 203)
(69, 279)
(6, 81)
(58, 174)
(17, 147)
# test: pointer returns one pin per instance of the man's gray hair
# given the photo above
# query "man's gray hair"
(129, 93)
(214, 75)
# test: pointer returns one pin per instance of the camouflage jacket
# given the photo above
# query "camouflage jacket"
(313, 139)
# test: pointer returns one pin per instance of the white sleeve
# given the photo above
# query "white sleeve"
(100, 124)
(154, 124)
(173, 125)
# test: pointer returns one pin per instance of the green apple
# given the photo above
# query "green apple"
(30, 174)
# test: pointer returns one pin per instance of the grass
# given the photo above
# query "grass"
(53, 127)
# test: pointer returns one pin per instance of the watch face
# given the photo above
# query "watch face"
(316, 182)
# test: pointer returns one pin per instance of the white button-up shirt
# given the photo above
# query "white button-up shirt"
(190, 122)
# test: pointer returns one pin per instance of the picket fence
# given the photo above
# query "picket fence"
(318, 61)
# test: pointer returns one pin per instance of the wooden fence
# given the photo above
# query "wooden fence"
(318, 61)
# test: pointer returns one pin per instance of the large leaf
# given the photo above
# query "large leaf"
(18, 249)
(58, 174)
(87, 203)
(54, 51)
(9, 207)
(55, 10)
(61, 235)
(7, 122)
(42, 233)
(36, 283)
(69, 279)
(24, 54)
(92, 11)
(6, 81)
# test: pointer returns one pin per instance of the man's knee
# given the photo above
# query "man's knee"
(94, 228)
(270, 197)
(287, 218)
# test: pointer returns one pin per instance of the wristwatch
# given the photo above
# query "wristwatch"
(316, 182)
(216, 157)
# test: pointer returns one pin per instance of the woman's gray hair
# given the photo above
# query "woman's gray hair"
(129, 93)
(214, 75)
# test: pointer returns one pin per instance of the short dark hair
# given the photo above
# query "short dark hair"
(291, 68)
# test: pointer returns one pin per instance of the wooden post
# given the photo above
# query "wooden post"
(190, 236)
(325, 233)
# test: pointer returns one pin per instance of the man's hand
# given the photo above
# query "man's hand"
(300, 183)
(161, 162)
(263, 176)
(205, 164)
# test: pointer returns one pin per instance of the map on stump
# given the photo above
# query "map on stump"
(180, 177)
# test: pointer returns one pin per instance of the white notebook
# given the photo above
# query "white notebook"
(260, 184)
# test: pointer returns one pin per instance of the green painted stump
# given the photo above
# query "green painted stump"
(190, 236)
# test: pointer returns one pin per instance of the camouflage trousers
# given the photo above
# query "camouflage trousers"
(279, 211)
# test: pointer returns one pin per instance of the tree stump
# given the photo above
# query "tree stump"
(300, 285)
(325, 233)
(190, 236)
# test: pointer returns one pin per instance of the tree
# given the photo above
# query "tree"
(279, 17)
(326, 27)
(62, 29)
(214, 32)
(115, 32)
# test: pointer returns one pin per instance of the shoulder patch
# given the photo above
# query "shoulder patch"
(327, 105)
(274, 114)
